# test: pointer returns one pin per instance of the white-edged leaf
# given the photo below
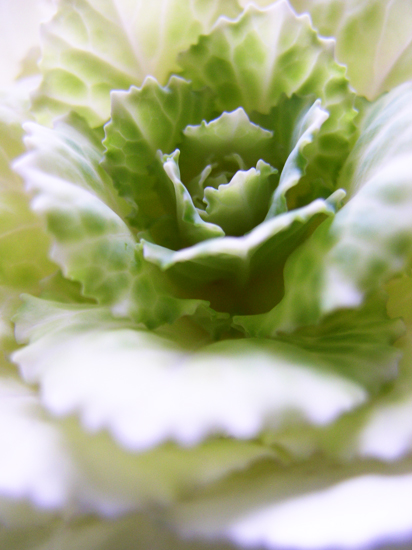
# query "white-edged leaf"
(237, 257)
(147, 389)
(91, 242)
(295, 165)
(315, 504)
(372, 38)
(370, 238)
(92, 47)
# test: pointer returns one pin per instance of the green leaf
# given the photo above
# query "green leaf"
(215, 383)
(251, 61)
(382, 430)
(92, 244)
(370, 239)
(144, 121)
(229, 140)
(295, 166)
(261, 507)
(373, 231)
(191, 226)
(23, 241)
(372, 38)
(265, 54)
(238, 258)
(92, 47)
(135, 483)
(138, 530)
(68, 466)
(241, 205)
(357, 343)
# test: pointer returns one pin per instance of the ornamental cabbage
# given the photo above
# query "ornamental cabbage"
(205, 287)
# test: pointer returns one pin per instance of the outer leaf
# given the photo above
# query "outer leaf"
(329, 501)
(358, 343)
(383, 429)
(35, 465)
(124, 481)
(19, 34)
(370, 239)
(372, 37)
(141, 531)
(55, 465)
(146, 399)
(92, 243)
(92, 47)
(23, 242)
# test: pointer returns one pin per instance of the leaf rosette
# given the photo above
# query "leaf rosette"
(216, 175)
(224, 227)
(188, 215)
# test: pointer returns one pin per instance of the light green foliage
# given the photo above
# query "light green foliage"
(295, 166)
(23, 243)
(213, 245)
(92, 244)
(253, 60)
(357, 342)
(382, 56)
(370, 238)
(92, 47)
(145, 121)
(216, 383)
(241, 204)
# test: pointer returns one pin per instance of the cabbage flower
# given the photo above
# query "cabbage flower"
(205, 290)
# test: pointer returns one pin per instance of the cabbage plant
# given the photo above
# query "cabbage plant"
(205, 294)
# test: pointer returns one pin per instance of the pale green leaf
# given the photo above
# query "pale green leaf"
(159, 476)
(143, 531)
(161, 390)
(92, 243)
(23, 241)
(230, 141)
(92, 47)
(383, 429)
(295, 166)
(240, 258)
(265, 54)
(55, 465)
(191, 226)
(355, 505)
(240, 205)
(373, 39)
(370, 239)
